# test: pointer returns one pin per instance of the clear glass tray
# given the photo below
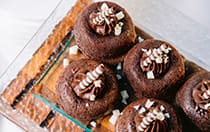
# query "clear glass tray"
(154, 17)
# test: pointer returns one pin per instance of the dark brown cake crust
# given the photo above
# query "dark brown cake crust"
(104, 48)
(126, 122)
(185, 101)
(160, 87)
(81, 109)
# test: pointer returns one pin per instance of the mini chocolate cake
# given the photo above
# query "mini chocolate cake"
(152, 68)
(194, 100)
(87, 90)
(105, 32)
(148, 115)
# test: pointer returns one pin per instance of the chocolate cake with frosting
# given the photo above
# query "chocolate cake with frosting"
(152, 68)
(194, 99)
(148, 115)
(105, 32)
(87, 90)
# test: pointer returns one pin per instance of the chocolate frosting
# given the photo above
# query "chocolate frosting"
(155, 60)
(201, 96)
(104, 21)
(91, 91)
(150, 121)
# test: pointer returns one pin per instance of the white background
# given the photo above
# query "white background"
(19, 20)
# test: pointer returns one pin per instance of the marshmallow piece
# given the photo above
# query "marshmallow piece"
(150, 75)
(120, 15)
(65, 62)
(73, 50)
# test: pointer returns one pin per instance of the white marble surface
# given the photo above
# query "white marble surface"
(21, 19)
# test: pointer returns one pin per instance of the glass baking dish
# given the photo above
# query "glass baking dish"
(190, 38)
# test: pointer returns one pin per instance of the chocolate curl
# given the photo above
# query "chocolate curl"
(206, 94)
(91, 77)
(102, 16)
(155, 60)
(156, 114)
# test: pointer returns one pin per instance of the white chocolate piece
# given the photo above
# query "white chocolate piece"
(159, 60)
(116, 112)
(87, 105)
(118, 76)
(124, 94)
(207, 106)
(124, 101)
(73, 50)
(167, 115)
(140, 39)
(150, 75)
(97, 83)
(162, 108)
(160, 116)
(92, 98)
(114, 117)
(104, 6)
(65, 62)
(206, 94)
(119, 66)
(142, 110)
(136, 107)
(149, 103)
(117, 30)
(120, 15)
(93, 123)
